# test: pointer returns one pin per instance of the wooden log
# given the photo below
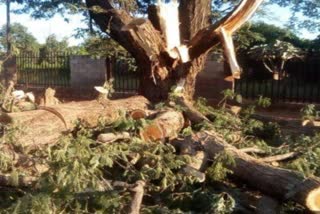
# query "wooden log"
(280, 183)
(111, 137)
(41, 127)
(167, 124)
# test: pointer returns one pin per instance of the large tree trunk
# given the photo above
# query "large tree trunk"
(147, 41)
(43, 127)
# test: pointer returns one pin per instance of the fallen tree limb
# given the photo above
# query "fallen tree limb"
(41, 127)
(277, 182)
(281, 157)
(254, 150)
(138, 191)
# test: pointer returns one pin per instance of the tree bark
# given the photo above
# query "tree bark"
(43, 127)
(280, 183)
(145, 40)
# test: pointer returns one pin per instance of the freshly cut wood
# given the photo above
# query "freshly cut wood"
(111, 137)
(49, 98)
(280, 183)
(42, 127)
(167, 124)
(138, 114)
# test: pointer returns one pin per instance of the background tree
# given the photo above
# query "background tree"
(21, 39)
(52, 44)
(275, 55)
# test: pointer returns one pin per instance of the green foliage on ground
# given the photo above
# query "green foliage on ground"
(81, 171)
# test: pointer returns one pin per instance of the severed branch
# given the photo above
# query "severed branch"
(227, 43)
(281, 157)
(281, 183)
(253, 150)
(138, 190)
(208, 37)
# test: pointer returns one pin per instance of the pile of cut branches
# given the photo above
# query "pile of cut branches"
(175, 157)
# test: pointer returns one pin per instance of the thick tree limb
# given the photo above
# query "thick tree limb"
(281, 183)
(206, 38)
(42, 127)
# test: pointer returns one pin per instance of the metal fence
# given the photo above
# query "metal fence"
(43, 69)
(124, 72)
(300, 84)
(53, 69)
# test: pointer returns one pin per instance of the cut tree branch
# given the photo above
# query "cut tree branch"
(281, 157)
(280, 183)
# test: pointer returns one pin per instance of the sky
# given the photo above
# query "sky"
(41, 29)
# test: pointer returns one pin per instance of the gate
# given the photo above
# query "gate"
(43, 69)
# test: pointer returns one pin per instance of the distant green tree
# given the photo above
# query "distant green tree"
(275, 55)
(101, 46)
(21, 39)
(52, 44)
(262, 33)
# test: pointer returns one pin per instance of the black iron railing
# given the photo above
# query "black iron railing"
(43, 69)
(124, 72)
(300, 82)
